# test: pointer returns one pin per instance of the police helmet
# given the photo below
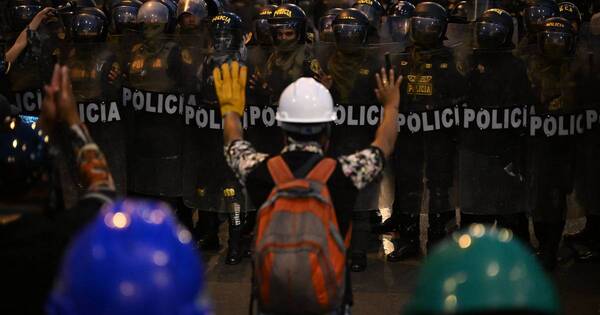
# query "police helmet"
(482, 270)
(326, 25)
(261, 27)
(350, 28)
(460, 11)
(536, 12)
(86, 3)
(226, 32)
(569, 11)
(398, 20)
(428, 25)
(556, 40)
(191, 13)
(124, 16)
(288, 17)
(494, 30)
(21, 12)
(156, 14)
(89, 24)
(27, 179)
(372, 9)
(133, 258)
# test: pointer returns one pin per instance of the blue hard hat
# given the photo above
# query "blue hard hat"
(133, 259)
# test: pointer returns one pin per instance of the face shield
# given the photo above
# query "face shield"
(262, 31)
(535, 16)
(154, 17)
(490, 35)
(555, 45)
(124, 18)
(87, 27)
(225, 40)
(326, 29)
(426, 32)
(371, 12)
(398, 27)
(349, 37)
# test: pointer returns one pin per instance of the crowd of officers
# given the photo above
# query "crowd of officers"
(491, 54)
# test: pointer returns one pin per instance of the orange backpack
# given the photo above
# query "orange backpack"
(300, 255)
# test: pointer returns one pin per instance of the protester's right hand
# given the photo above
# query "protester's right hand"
(40, 17)
(58, 105)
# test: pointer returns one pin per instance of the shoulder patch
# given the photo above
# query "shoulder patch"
(444, 66)
(315, 66)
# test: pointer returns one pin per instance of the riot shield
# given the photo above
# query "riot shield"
(152, 92)
(96, 92)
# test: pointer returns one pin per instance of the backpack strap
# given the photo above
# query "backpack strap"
(279, 170)
(322, 171)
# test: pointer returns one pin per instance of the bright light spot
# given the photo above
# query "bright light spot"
(24, 147)
(33, 125)
(184, 236)
(505, 235)
(119, 220)
(46, 139)
(15, 143)
(450, 303)
(464, 241)
(449, 285)
(493, 269)
(127, 288)
(157, 216)
(160, 258)
(39, 133)
(477, 230)
(12, 124)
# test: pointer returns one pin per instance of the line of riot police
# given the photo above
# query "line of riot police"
(142, 77)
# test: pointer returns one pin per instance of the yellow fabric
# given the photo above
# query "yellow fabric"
(230, 86)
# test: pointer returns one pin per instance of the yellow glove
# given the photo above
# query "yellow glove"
(230, 85)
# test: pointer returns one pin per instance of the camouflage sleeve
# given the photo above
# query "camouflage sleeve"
(91, 163)
(243, 158)
(363, 167)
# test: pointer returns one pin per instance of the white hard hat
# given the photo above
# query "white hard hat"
(305, 101)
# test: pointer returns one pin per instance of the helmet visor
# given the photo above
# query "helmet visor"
(555, 45)
(350, 34)
(490, 35)
(87, 26)
(153, 15)
(285, 34)
(426, 31)
(262, 29)
(398, 27)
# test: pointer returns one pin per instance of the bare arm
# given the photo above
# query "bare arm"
(388, 93)
(17, 48)
(233, 128)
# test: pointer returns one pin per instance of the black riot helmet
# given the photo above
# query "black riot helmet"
(428, 25)
(124, 16)
(89, 24)
(261, 27)
(288, 27)
(226, 32)
(494, 30)
(398, 20)
(556, 39)
(86, 3)
(326, 25)
(536, 12)
(569, 11)
(350, 28)
(21, 12)
(191, 13)
(461, 11)
(25, 164)
(372, 9)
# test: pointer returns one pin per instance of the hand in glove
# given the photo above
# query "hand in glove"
(230, 85)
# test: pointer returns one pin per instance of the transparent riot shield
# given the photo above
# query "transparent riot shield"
(96, 77)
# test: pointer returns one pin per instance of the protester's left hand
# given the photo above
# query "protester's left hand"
(59, 105)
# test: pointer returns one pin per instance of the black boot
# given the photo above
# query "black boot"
(361, 226)
(236, 220)
(549, 235)
(586, 243)
(358, 261)
(407, 243)
(439, 227)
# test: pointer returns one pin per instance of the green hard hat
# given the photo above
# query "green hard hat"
(479, 270)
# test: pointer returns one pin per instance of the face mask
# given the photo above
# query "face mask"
(285, 37)
(152, 31)
(555, 45)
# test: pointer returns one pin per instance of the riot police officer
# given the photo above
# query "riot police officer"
(91, 61)
(123, 16)
(536, 12)
(350, 80)
(491, 168)
(155, 162)
(558, 82)
(220, 189)
(432, 82)
(326, 25)
(291, 59)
